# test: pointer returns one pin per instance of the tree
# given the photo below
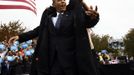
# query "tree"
(100, 42)
(104, 42)
(129, 42)
(96, 41)
(10, 29)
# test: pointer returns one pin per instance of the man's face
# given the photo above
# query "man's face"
(60, 5)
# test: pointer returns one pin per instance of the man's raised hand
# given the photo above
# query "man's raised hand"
(13, 39)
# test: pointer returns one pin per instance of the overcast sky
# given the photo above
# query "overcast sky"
(116, 16)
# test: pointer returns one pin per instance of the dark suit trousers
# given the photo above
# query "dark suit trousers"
(57, 69)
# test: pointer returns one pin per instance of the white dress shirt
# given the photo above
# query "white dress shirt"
(54, 19)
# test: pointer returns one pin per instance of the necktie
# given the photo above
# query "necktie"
(57, 25)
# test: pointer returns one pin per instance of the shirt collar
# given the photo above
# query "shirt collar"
(59, 13)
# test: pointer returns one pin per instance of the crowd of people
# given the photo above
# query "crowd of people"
(16, 59)
(104, 57)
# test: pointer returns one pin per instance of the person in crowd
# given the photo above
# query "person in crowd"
(106, 58)
(114, 60)
(63, 47)
(101, 60)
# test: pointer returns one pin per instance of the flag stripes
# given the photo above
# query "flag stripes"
(18, 4)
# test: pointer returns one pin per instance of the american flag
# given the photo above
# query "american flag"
(18, 4)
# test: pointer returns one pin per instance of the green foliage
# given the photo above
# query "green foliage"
(10, 29)
(101, 42)
(129, 42)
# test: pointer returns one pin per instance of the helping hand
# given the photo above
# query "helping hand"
(13, 39)
(92, 13)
